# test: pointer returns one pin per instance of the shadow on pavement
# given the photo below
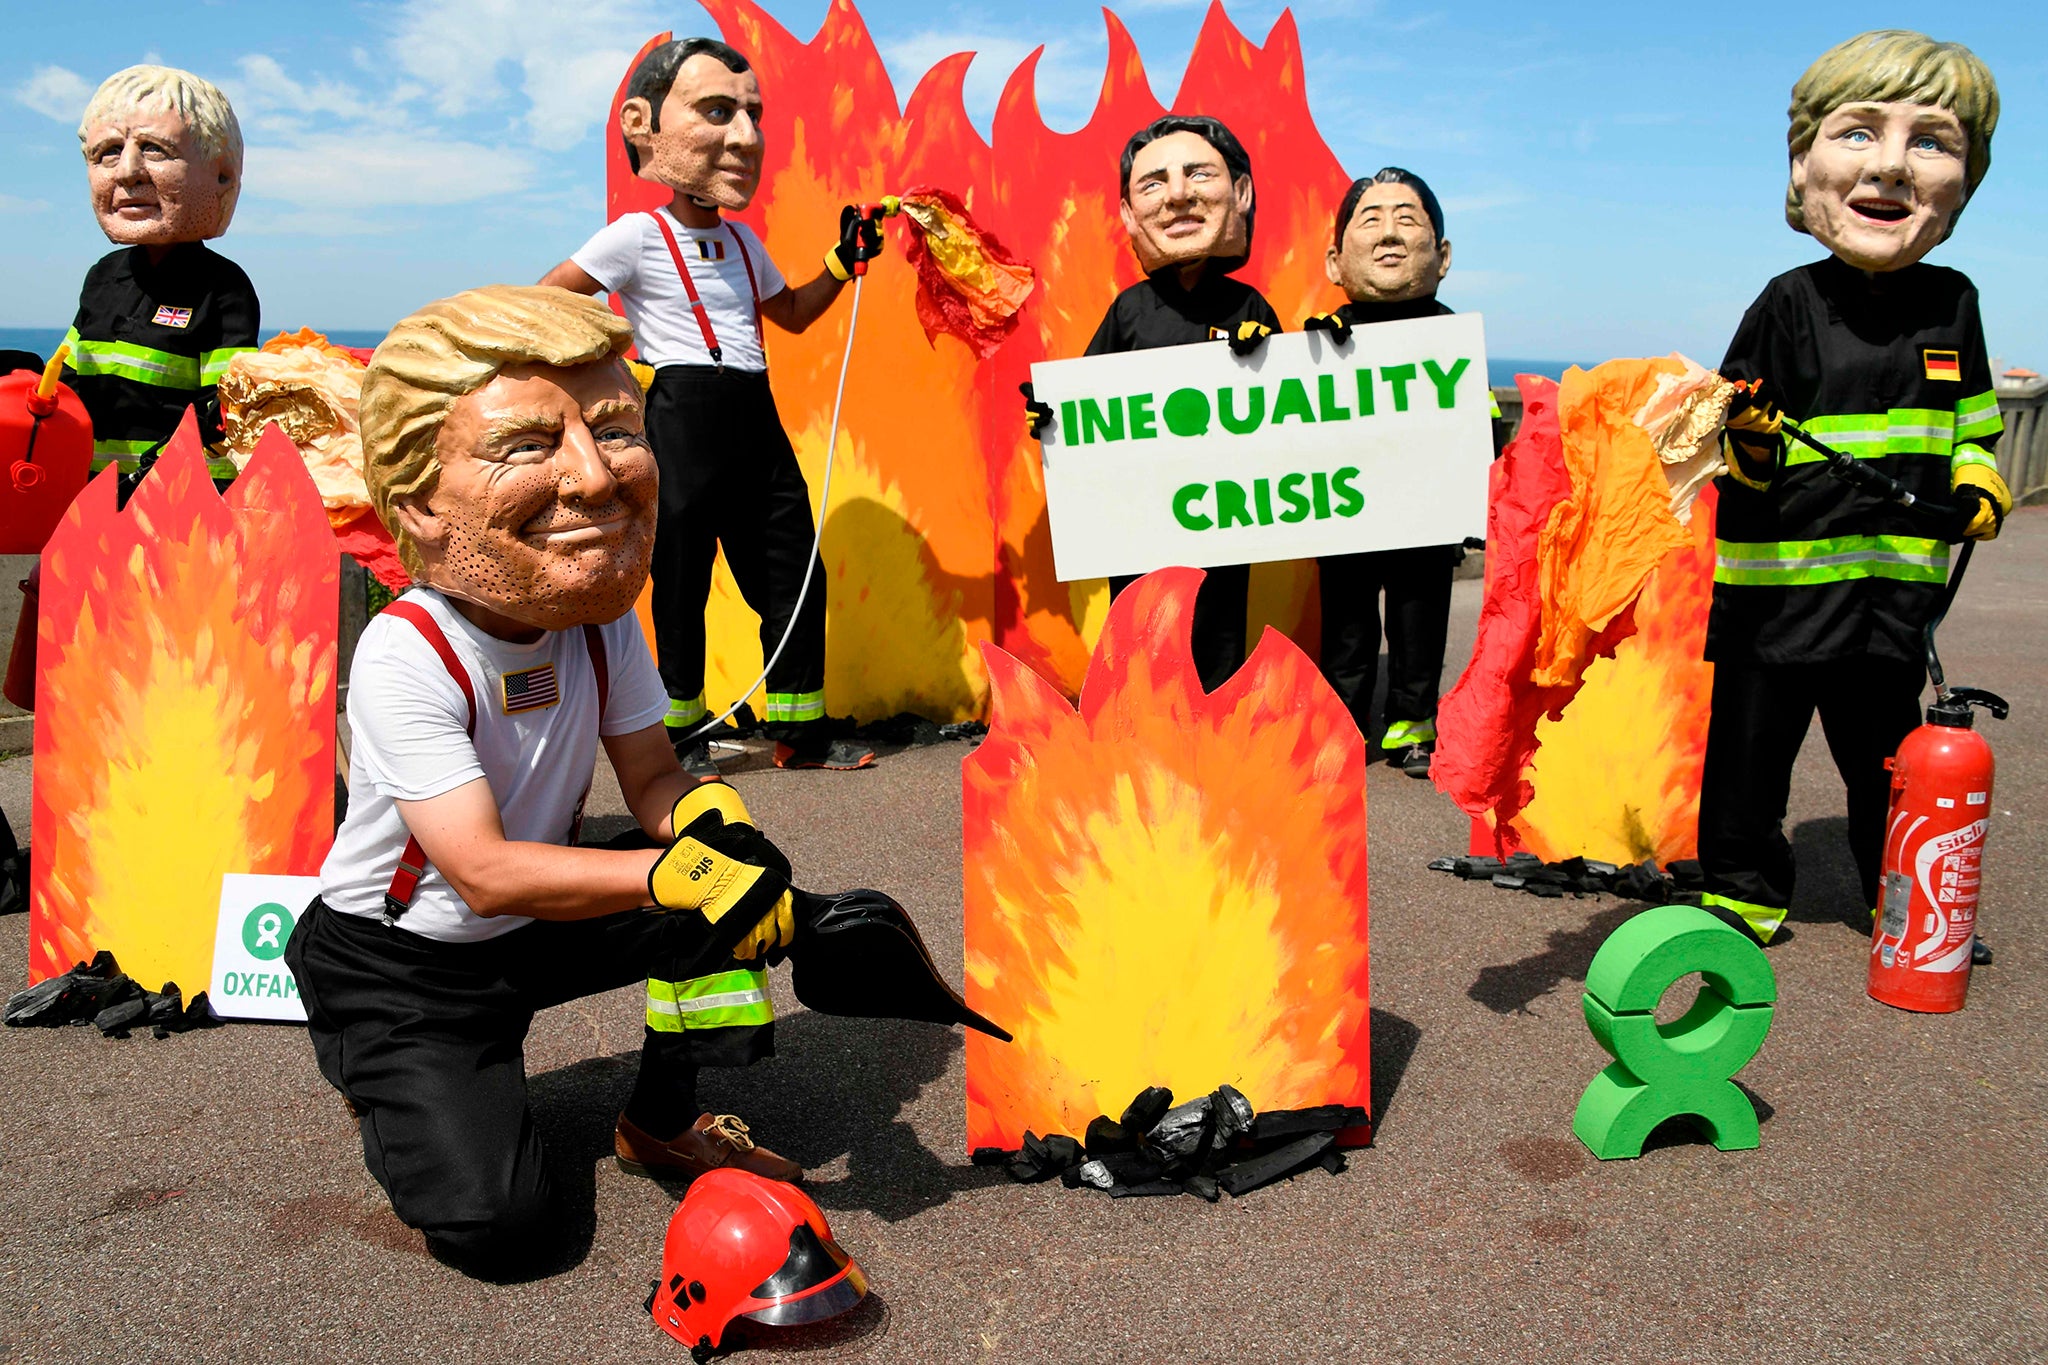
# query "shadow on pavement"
(1394, 1040)
(1826, 886)
(1511, 987)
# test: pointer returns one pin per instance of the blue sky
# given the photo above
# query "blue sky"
(1612, 173)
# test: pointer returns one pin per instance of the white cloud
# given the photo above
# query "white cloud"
(570, 57)
(55, 92)
(347, 172)
(13, 204)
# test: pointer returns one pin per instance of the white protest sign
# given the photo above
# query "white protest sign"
(257, 913)
(1192, 455)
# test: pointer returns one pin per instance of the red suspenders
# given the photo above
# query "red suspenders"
(412, 864)
(697, 304)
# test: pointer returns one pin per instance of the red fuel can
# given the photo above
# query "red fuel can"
(45, 457)
(1934, 846)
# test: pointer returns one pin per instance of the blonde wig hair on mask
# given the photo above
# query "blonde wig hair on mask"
(199, 102)
(454, 347)
(1887, 65)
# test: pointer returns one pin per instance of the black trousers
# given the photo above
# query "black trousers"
(1219, 624)
(426, 1040)
(1867, 707)
(1417, 583)
(729, 477)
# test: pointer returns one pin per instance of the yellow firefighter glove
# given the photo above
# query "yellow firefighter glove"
(776, 929)
(1248, 337)
(704, 798)
(725, 870)
(1752, 441)
(1982, 483)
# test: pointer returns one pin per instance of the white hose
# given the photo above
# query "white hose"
(817, 538)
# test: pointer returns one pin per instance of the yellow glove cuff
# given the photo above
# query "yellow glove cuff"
(777, 929)
(707, 796)
(1732, 455)
(832, 265)
(1985, 477)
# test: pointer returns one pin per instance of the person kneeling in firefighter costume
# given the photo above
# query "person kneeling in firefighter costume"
(1822, 590)
(504, 449)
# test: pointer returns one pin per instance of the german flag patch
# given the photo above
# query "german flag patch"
(531, 689)
(1943, 365)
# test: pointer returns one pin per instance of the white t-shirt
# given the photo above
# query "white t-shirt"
(408, 719)
(629, 258)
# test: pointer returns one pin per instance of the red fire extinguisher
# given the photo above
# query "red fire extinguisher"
(1925, 938)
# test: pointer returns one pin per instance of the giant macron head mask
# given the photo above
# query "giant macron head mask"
(163, 157)
(503, 448)
(691, 121)
(1187, 194)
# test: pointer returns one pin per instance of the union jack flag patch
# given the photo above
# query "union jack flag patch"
(531, 689)
(710, 249)
(168, 316)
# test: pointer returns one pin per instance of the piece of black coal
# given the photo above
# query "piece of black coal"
(1443, 864)
(1549, 891)
(1026, 1172)
(1150, 1187)
(1642, 882)
(1105, 1134)
(1259, 1171)
(1599, 869)
(1332, 1161)
(1476, 869)
(1184, 1130)
(196, 1016)
(116, 1019)
(991, 1156)
(1202, 1187)
(1129, 1168)
(1275, 1124)
(1062, 1150)
(165, 1006)
(1688, 875)
(1234, 1115)
(1147, 1109)
(73, 998)
(973, 731)
(1524, 861)
(1506, 882)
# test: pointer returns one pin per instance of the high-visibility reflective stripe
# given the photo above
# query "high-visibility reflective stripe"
(1972, 454)
(212, 364)
(1868, 436)
(792, 706)
(1789, 563)
(737, 999)
(1493, 404)
(1765, 919)
(1402, 733)
(686, 710)
(1978, 416)
(123, 360)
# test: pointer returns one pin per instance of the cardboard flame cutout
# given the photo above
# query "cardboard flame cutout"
(1164, 887)
(937, 538)
(185, 726)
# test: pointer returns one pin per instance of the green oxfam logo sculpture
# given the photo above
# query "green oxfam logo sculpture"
(1682, 1069)
(265, 930)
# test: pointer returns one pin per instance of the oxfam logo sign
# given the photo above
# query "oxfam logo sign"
(265, 930)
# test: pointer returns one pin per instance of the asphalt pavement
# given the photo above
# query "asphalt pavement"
(203, 1198)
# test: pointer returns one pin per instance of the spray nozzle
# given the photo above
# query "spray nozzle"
(42, 400)
(1952, 706)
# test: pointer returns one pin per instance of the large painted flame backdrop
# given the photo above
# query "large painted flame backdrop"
(1164, 887)
(185, 708)
(936, 540)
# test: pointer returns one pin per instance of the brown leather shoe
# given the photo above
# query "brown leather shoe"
(714, 1140)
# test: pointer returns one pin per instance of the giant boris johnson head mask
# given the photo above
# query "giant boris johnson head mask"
(691, 120)
(163, 157)
(504, 450)
(1187, 194)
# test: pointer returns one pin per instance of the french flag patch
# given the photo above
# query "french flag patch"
(531, 689)
(1943, 365)
(173, 317)
(710, 248)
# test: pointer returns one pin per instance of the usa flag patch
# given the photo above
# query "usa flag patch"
(710, 249)
(531, 689)
(173, 317)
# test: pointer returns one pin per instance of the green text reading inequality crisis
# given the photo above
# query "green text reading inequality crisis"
(1188, 412)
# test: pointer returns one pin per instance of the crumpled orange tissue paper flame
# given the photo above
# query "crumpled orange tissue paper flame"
(1164, 887)
(185, 708)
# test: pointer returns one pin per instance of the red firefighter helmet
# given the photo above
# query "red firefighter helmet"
(743, 1246)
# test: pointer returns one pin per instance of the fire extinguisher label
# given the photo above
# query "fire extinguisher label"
(1898, 899)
